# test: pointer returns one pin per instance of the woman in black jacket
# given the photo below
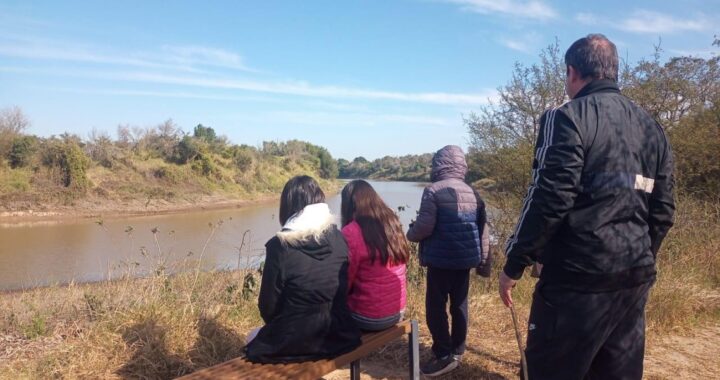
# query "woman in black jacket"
(304, 284)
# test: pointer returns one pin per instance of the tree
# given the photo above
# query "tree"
(671, 90)
(13, 122)
(696, 147)
(205, 133)
(328, 166)
(67, 158)
(21, 151)
(188, 149)
(682, 93)
(124, 136)
(406, 168)
(503, 134)
(101, 149)
(159, 141)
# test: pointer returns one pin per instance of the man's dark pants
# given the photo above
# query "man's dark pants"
(441, 285)
(581, 335)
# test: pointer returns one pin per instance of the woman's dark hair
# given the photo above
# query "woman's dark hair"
(299, 192)
(379, 225)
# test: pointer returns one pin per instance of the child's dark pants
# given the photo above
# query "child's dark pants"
(441, 285)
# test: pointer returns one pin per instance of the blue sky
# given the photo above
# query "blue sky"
(368, 78)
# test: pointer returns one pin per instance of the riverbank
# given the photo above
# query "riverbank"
(92, 209)
(165, 326)
(67, 178)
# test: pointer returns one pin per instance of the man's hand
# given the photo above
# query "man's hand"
(506, 285)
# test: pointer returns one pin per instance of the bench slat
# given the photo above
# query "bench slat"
(239, 368)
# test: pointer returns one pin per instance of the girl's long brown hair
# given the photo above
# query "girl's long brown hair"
(380, 226)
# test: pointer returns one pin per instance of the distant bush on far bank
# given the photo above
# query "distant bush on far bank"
(403, 168)
(141, 162)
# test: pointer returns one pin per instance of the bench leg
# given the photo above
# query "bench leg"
(414, 351)
(355, 370)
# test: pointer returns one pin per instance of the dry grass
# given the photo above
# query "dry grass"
(687, 292)
(159, 327)
(165, 326)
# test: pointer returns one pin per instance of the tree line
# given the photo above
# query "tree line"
(67, 167)
(404, 168)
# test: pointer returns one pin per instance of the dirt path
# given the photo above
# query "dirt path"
(688, 356)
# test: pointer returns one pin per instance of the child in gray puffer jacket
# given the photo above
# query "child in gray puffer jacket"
(452, 229)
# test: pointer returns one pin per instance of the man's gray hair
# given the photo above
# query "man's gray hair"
(594, 57)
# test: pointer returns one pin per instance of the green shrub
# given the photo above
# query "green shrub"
(36, 327)
(187, 150)
(21, 151)
(328, 166)
(172, 174)
(696, 147)
(15, 180)
(204, 133)
(243, 160)
(205, 165)
(70, 160)
(104, 152)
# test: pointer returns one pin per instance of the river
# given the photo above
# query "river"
(40, 254)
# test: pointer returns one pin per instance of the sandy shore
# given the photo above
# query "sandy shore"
(93, 209)
(99, 208)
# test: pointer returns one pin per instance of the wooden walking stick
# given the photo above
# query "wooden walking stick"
(523, 361)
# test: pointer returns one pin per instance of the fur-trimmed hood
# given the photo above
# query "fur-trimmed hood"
(304, 230)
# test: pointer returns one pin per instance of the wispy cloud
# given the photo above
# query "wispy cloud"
(648, 22)
(529, 43)
(205, 56)
(292, 88)
(531, 9)
(644, 21)
(314, 113)
(701, 53)
(173, 66)
(301, 88)
(78, 54)
(349, 119)
(161, 94)
(181, 58)
(10, 19)
(587, 18)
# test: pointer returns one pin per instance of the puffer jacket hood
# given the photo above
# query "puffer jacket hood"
(449, 162)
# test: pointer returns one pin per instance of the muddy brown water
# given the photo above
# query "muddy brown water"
(40, 254)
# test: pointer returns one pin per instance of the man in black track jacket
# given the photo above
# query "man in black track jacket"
(597, 210)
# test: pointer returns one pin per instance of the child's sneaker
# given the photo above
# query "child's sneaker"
(439, 366)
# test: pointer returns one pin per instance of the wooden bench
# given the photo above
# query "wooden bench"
(240, 368)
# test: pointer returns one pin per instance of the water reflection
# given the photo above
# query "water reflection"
(85, 250)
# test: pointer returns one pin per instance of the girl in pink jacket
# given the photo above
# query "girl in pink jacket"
(378, 251)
